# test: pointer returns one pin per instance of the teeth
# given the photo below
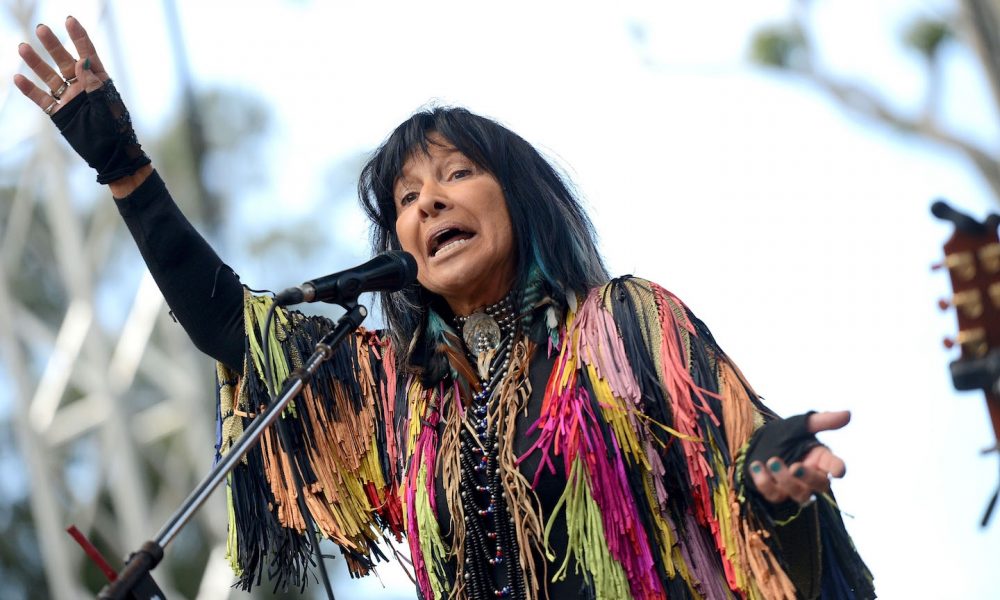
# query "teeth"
(450, 247)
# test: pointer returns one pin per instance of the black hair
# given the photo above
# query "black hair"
(553, 236)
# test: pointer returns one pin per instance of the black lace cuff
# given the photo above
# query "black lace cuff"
(98, 127)
(788, 439)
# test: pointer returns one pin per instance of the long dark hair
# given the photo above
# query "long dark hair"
(553, 237)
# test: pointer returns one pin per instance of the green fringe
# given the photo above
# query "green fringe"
(586, 540)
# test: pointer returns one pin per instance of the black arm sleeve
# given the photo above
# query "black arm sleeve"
(203, 293)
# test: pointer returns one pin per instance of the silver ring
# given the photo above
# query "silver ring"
(71, 80)
(54, 104)
(57, 94)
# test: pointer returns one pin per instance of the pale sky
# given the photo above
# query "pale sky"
(800, 235)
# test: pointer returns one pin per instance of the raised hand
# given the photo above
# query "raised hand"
(807, 476)
(85, 106)
(70, 77)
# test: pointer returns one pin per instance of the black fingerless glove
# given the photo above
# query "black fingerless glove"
(97, 125)
(788, 439)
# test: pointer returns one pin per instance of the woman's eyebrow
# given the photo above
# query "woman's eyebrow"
(401, 184)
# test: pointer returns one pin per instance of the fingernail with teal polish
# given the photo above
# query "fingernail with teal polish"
(800, 472)
(755, 467)
(86, 64)
(776, 466)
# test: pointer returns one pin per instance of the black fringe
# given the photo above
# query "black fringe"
(654, 402)
(262, 540)
(845, 575)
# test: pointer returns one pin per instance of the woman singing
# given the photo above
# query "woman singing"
(531, 426)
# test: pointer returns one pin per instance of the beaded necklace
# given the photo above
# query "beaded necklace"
(489, 335)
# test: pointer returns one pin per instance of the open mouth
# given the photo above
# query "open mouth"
(448, 240)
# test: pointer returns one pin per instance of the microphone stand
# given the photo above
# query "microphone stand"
(134, 581)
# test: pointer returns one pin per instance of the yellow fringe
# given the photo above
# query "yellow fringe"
(229, 406)
(256, 308)
(232, 546)
(621, 416)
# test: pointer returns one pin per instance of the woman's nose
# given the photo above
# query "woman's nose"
(432, 200)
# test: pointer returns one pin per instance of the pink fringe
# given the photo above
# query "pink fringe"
(684, 393)
(387, 357)
(568, 427)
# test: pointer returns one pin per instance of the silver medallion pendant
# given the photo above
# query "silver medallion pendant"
(481, 333)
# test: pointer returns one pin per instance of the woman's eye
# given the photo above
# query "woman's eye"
(408, 198)
(461, 173)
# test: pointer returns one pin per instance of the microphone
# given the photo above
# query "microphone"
(387, 272)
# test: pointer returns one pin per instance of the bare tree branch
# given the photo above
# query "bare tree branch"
(868, 104)
(790, 46)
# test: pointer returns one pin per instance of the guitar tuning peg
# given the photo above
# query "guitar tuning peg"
(973, 342)
(948, 342)
(943, 304)
(970, 302)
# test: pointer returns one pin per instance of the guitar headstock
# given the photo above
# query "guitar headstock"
(972, 257)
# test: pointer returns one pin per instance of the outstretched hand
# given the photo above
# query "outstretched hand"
(801, 480)
(70, 77)
(85, 107)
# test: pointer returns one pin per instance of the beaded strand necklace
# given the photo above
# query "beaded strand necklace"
(490, 565)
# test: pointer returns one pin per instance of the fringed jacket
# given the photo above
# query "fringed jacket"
(622, 430)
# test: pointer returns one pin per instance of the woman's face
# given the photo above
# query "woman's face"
(452, 217)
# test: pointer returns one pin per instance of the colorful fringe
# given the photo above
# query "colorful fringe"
(350, 460)
(646, 413)
(649, 418)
